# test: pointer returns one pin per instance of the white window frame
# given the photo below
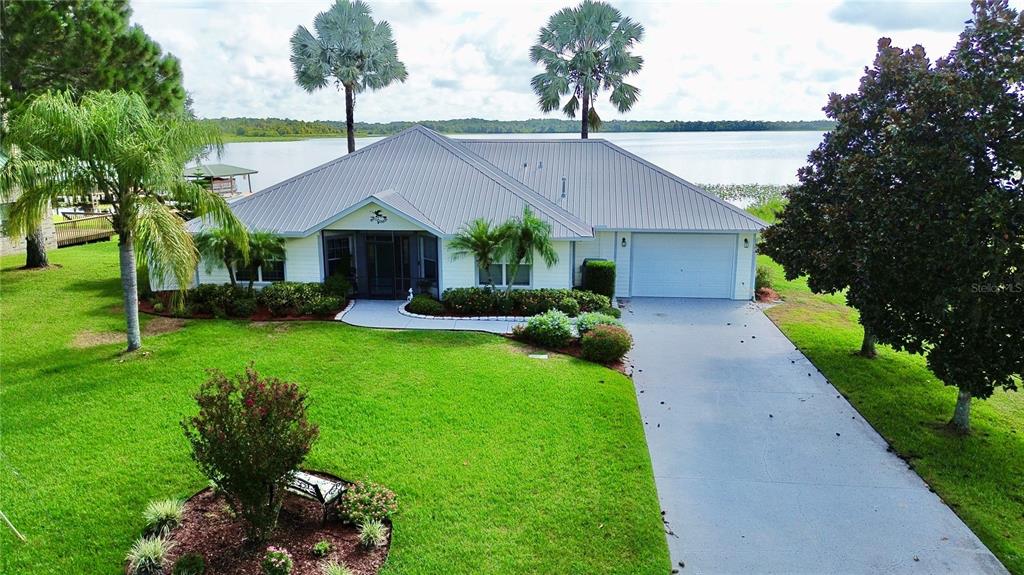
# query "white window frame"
(259, 274)
(504, 276)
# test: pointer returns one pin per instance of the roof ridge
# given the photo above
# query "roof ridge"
(691, 186)
(505, 180)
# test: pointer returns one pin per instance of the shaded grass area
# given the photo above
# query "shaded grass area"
(502, 464)
(980, 476)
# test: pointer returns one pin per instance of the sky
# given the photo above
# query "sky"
(715, 60)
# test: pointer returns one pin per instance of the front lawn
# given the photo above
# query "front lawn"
(981, 476)
(502, 463)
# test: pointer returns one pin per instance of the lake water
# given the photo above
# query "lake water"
(700, 157)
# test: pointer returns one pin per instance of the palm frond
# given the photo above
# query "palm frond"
(163, 243)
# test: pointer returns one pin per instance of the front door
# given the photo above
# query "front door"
(388, 265)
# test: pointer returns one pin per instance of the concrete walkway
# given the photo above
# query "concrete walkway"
(762, 467)
(384, 314)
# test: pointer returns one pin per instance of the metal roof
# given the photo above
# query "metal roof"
(216, 171)
(612, 188)
(443, 183)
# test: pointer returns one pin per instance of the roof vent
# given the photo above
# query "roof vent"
(563, 187)
(540, 164)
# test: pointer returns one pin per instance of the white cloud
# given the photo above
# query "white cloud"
(703, 60)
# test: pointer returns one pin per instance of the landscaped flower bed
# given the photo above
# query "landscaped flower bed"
(595, 337)
(279, 300)
(487, 302)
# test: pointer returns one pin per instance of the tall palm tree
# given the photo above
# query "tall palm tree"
(263, 247)
(525, 237)
(350, 48)
(583, 50)
(481, 240)
(219, 245)
(109, 141)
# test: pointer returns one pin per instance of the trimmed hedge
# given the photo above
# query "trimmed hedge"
(599, 277)
(485, 301)
(425, 305)
(606, 344)
(220, 300)
(549, 329)
(590, 320)
(294, 298)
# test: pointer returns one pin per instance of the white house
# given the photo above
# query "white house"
(388, 211)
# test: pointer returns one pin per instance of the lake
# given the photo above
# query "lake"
(700, 157)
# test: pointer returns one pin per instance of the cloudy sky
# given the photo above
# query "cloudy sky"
(703, 60)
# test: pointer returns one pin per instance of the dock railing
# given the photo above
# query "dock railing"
(84, 230)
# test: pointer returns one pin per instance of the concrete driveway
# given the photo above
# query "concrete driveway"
(762, 467)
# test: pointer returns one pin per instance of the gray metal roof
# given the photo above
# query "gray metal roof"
(216, 171)
(443, 184)
(610, 187)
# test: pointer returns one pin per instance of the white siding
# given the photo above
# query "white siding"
(558, 275)
(217, 274)
(302, 262)
(745, 255)
(460, 272)
(607, 246)
(364, 219)
(623, 256)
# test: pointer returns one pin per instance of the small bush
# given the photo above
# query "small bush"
(470, 301)
(485, 301)
(162, 516)
(158, 307)
(321, 306)
(335, 568)
(610, 310)
(277, 561)
(221, 300)
(189, 564)
(590, 320)
(599, 277)
(425, 305)
(549, 329)
(366, 501)
(250, 435)
(296, 298)
(148, 555)
(590, 301)
(372, 534)
(763, 279)
(606, 343)
(243, 307)
(321, 548)
(569, 307)
(337, 286)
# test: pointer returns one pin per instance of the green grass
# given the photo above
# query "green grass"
(502, 464)
(980, 476)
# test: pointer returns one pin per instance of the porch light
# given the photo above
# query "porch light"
(623, 241)
(746, 242)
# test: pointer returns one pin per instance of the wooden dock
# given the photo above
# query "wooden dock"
(85, 230)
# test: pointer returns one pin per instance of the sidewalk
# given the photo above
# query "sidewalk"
(384, 314)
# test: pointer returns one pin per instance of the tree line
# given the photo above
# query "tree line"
(284, 127)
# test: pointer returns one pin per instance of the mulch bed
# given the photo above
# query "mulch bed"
(574, 349)
(209, 528)
(768, 295)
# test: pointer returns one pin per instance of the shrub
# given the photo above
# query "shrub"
(610, 310)
(590, 301)
(425, 305)
(243, 307)
(606, 343)
(549, 329)
(366, 501)
(337, 286)
(221, 300)
(763, 279)
(321, 548)
(470, 301)
(162, 516)
(569, 307)
(291, 298)
(189, 564)
(590, 320)
(277, 561)
(335, 568)
(372, 534)
(148, 555)
(599, 277)
(322, 305)
(158, 307)
(250, 435)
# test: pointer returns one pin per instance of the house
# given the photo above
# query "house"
(388, 211)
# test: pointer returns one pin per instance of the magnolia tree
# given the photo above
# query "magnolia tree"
(249, 437)
(914, 203)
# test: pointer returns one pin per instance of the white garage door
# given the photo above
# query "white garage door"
(683, 265)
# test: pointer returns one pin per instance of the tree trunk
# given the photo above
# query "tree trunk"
(35, 249)
(231, 271)
(867, 347)
(129, 287)
(585, 126)
(961, 421)
(350, 118)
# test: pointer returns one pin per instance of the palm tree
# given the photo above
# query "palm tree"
(109, 142)
(219, 245)
(583, 50)
(263, 247)
(483, 242)
(350, 48)
(525, 237)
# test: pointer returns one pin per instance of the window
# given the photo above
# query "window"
(339, 255)
(428, 248)
(498, 274)
(271, 271)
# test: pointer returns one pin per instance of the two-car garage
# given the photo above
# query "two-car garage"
(684, 265)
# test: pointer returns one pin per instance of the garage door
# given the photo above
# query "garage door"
(683, 265)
